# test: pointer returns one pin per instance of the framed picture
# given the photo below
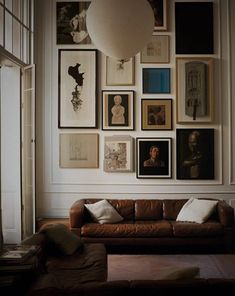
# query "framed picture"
(118, 155)
(157, 50)
(71, 22)
(195, 153)
(118, 110)
(194, 89)
(153, 158)
(79, 150)
(156, 114)
(160, 14)
(194, 31)
(77, 88)
(119, 73)
(156, 81)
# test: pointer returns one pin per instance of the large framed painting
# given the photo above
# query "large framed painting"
(71, 22)
(118, 110)
(156, 80)
(153, 157)
(194, 31)
(160, 13)
(195, 153)
(79, 150)
(118, 154)
(194, 93)
(77, 88)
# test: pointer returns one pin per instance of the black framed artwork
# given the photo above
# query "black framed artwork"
(195, 154)
(194, 28)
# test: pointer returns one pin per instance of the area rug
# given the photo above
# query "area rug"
(154, 267)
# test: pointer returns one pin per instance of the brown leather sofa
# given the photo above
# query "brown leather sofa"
(151, 226)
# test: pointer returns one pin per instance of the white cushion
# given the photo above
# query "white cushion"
(103, 212)
(196, 210)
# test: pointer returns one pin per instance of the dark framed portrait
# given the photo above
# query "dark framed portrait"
(195, 154)
(153, 158)
(118, 110)
(160, 13)
(71, 22)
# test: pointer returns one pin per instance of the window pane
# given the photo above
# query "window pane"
(1, 25)
(26, 12)
(16, 38)
(25, 46)
(17, 8)
(8, 4)
(8, 32)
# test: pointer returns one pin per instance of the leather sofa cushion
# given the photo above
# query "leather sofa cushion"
(160, 228)
(148, 209)
(190, 229)
(172, 207)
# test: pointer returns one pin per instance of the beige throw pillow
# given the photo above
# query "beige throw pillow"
(103, 212)
(196, 210)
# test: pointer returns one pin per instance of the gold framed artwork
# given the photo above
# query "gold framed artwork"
(79, 150)
(156, 114)
(194, 82)
(157, 50)
(120, 73)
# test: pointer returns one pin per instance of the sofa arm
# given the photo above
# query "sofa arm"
(76, 214)
(225, 213)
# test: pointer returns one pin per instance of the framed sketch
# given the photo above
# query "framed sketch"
(194, 32)
(79, 150)
(77, 88)
(120, 73)
(118, 155)
(157, 50)
(156, 114)
(156, 81)
(194, 89)
(160, 13)
(118, 110)
(153, 158)
(71, 22)
(195, 154)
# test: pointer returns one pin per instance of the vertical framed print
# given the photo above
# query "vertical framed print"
(118, 110)
(156, 80)
(77, 88)
(160, 13)
(195, 154)
(120, 73)
(153, 158)
(194, 90)
(71, 22)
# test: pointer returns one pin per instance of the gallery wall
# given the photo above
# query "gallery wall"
(58, 186)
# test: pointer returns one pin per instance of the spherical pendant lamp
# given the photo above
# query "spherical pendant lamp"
(120, 28)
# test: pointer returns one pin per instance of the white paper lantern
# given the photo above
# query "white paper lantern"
(120, 28)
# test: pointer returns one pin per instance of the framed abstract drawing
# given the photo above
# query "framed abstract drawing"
(118, 110)
(118, 154)
(153, 157)
(160, 13)
(156, 80)
(156, 114)
(119, 73)
(77, 88)
(194, 90)
(71, 22)
(195, 154)
(79, 150)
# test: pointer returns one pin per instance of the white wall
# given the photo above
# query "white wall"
(58, 188)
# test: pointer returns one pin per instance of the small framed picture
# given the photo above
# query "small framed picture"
(156, 81)
(120, 73)
(118, 110)
(153, 157)
(71, 22)
(79, 150)
(77, 88)
(160, 13)
(194, 90)
(157, 50)
(195, 154)
(156, 114)
(118, 156)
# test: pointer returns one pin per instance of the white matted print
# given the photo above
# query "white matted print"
(79, 150)
(118, 154)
